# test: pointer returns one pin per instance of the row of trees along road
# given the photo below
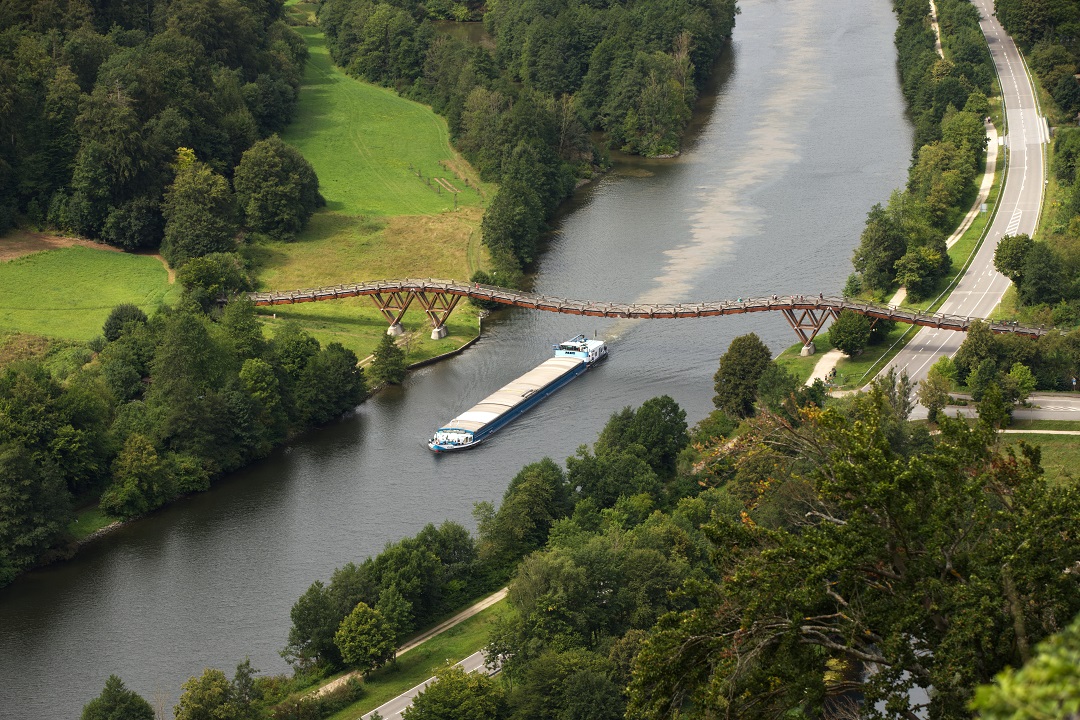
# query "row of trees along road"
(752, 567)
(155, 409)
(904, 242)
(522, 115)
(97, 98)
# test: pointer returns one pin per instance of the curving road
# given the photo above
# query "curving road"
(981, 288)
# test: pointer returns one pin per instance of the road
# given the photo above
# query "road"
(392, 710)
(1041, 406)
(980, 289)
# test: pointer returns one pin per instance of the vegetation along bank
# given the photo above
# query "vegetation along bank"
(753, 566)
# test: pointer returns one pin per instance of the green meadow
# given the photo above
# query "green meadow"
(68, 293)
(375, 153)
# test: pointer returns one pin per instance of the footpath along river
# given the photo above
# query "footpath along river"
(803, 132)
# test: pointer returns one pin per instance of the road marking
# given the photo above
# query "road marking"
(1014, 222)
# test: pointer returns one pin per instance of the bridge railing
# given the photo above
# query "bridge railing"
(806, 313)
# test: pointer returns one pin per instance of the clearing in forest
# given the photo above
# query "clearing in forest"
(68, 292)
(388, 172)
(375, 152)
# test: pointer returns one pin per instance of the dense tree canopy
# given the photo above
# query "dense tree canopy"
(99, 97)
(915, 553)
(276, 188)
(168, 403)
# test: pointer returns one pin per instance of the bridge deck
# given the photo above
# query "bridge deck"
(649, 311)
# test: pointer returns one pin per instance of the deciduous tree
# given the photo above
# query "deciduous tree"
(120, 316)
(1010, 254)
(200, 215)
(458, 695)
(736, 380)
(276, 188)
(850, 332)
(364, 638)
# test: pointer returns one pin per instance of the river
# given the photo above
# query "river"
(804, 132)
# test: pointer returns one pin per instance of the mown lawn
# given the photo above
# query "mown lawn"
(420, 663)
(68, 293)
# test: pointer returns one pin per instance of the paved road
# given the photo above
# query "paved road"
(981, 288)
(392, 710)
(1043, 406)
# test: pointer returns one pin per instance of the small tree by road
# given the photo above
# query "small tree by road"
(458, 695)
(365, 638)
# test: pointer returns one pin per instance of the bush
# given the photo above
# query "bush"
(120, 316)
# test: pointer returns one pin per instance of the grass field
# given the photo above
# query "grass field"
(87, 522)
(386, 168)
(68, 293)
(1060, 453)
(417, 665)
(851, 373)
(375, 153)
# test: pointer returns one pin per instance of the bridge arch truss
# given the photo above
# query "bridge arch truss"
(806, 314)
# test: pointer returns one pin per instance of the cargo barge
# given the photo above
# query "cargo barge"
(472, 427)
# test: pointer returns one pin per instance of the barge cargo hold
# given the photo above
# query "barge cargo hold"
(472, 427)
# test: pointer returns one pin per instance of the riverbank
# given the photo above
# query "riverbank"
(962, 244)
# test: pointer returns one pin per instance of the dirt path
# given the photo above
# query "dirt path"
(419, 639)
(157, 256)
(21, 242)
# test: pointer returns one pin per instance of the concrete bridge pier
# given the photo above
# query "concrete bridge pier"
(395, 330)
(439, 333)
(808, 350)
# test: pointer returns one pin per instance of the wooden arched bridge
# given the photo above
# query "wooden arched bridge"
(806, 314)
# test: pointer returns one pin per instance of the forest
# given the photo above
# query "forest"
(153, 410)
(752, 566)
(97, 100)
